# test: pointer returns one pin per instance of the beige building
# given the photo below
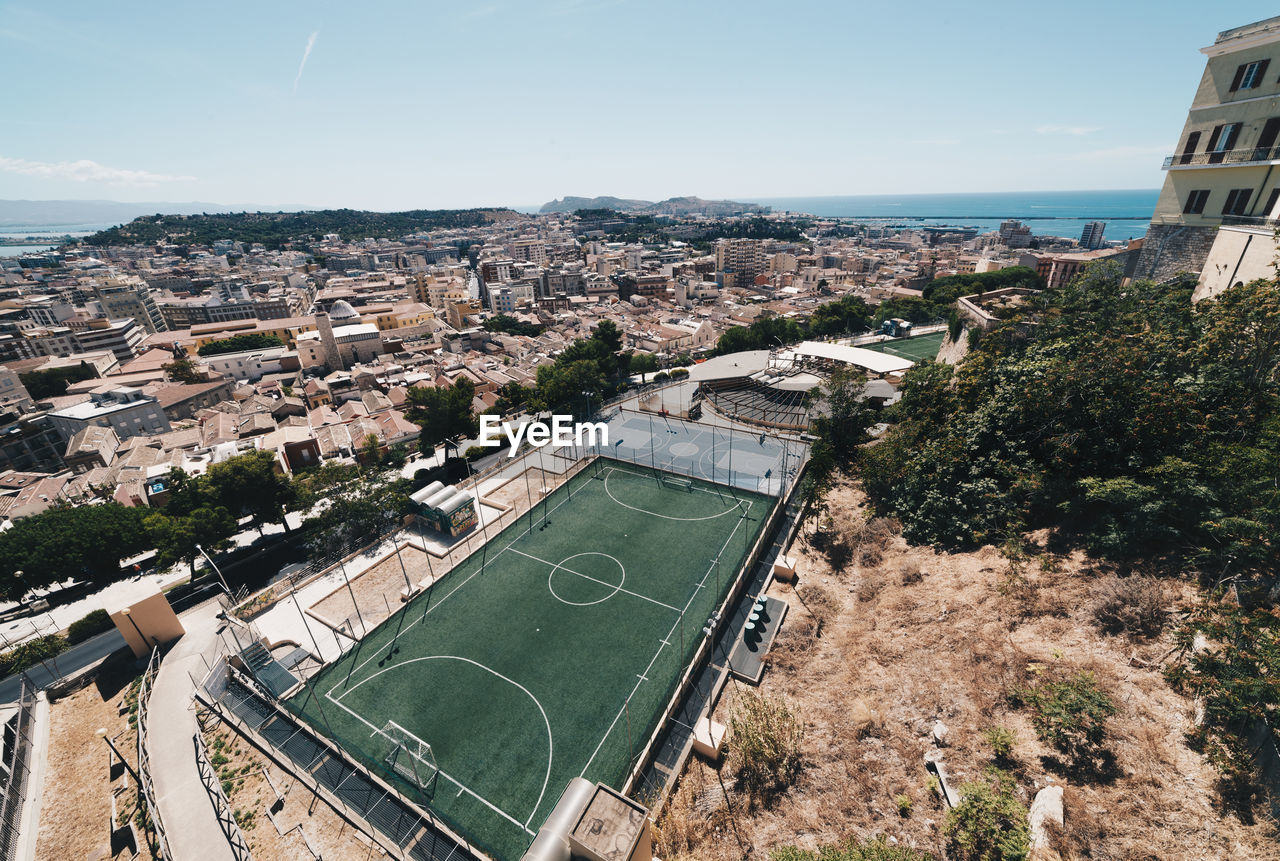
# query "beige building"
(1223, 172)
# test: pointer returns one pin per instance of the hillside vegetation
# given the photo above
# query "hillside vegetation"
(276, 229)
(1057, 567)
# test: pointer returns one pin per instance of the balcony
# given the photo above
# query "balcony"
(1250, 221)
(1234, 157)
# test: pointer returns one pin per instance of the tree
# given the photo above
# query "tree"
(561, 387)
(608, 334)
(183, 370)
(238, 343)
(54, 381)
(443, 413)
(841, 419)
(178, 537)
(65, 543)
(250, 484)
(357, 513)
(643, 363)
(371, 450)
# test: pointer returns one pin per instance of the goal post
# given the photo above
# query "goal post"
(676, 481)
(409, 756)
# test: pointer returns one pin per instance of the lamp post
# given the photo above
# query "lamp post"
(125, 612)
(221, 579)
(102, 734)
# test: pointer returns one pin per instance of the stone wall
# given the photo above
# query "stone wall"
(1171, 249)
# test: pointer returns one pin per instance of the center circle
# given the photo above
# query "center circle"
(586, 578)
(683, 449)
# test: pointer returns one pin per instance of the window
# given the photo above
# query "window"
(1249, 75)
(1237, 201)
(1193, 141)
(1196, 201)
(1267, 140)
(1269, 210)
(1222, 140)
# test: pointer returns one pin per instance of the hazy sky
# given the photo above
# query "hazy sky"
(418, 104)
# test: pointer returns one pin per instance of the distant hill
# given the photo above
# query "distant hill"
(671, 206)
(275, 229)
(68, 214)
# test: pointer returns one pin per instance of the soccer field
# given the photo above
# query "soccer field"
(550, 653)
(921, 348)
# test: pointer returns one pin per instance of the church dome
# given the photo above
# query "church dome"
(342, 312)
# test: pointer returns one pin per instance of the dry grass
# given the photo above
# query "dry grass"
(920, 636)
(251, 796)
(75, 808)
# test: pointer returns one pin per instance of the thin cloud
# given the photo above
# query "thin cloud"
(1117, 152)
(85, 170)
(306, 52)
(1078, 131)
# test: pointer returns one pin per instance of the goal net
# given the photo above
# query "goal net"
(679, 483)
(409, 756)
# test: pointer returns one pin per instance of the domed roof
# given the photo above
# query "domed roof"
(342, 311)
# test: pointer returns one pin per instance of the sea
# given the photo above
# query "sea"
(41, 237)
(1048, 213)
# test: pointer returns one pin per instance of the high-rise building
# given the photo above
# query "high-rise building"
(1223, 172)
(738, 262)
(1091, 236)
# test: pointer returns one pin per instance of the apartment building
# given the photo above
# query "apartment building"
(738, 262)
(1222, 174)
(125, 410)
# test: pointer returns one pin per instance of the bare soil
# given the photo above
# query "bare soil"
(894, 638)
(75, 807)
(377, 589)
(254, 802)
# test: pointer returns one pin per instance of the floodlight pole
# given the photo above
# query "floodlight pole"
(364, 629)
(528, 490)
(653, 448)
(310, 633)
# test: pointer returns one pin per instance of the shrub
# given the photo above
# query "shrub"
(1071, 716)
(765, 746)
(853, 850)
(473, 452)
(30, 653)
(661, 377)
(904, 804)
(1001, 740)
(679, 373)
(1132, 605)
(989, 823)
(87, 626)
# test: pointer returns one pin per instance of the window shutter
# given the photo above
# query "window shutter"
(1213, 139)
(1235, 82)
(1262, 72)
(1233, 132)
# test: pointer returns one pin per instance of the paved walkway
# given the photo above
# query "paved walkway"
(185, 808)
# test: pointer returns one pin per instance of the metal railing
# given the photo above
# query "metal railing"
(221, 807)
(16, 769)
(1249, 221)
(1248, 155)
(144, 760)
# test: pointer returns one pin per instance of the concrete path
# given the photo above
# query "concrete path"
(185, 808)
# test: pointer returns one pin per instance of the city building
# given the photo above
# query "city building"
(125, 410)
(1091, 236)
(1222, 174)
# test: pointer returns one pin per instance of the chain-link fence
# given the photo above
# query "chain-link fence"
(16, 765)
